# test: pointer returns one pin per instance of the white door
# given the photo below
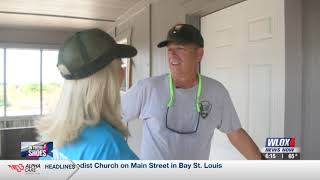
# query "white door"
(245, 50)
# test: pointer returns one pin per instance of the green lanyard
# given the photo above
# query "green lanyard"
(171, 92)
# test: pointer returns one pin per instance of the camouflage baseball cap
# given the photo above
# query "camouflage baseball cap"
(88, 51)
(183, 33)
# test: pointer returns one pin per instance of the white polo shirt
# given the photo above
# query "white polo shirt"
(148, 99)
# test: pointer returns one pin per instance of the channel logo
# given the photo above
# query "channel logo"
(280, 142)
(281, 145)
(36, 149)
(281, 149)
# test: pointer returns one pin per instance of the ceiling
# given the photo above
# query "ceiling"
(62, 14)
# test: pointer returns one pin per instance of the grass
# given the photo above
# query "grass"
(27, 97)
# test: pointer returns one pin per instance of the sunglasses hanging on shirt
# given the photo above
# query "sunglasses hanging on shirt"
(171, 104)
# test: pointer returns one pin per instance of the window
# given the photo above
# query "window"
(51, 80)
(30, 81)
(22, 82)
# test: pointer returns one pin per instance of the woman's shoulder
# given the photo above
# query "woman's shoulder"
(101, 131)
(107, 142)
(96, 142)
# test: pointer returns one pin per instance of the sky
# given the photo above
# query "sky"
(23, 66)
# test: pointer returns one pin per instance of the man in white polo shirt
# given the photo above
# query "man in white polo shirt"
(181, 110)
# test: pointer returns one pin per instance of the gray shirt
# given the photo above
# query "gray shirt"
(148, 99)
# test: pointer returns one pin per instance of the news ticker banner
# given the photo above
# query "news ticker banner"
(103, 169)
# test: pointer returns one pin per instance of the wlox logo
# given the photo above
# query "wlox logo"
(280, 142)
(280, 145)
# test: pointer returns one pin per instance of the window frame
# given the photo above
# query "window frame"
(22, 121)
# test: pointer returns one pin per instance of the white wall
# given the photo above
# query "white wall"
(139, 37)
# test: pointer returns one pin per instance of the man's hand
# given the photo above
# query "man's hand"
(245, 145)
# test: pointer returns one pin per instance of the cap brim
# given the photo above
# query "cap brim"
(166, 42)
(163, 44)
(124, 51)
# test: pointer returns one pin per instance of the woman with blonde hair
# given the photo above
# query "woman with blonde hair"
(86, 123)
